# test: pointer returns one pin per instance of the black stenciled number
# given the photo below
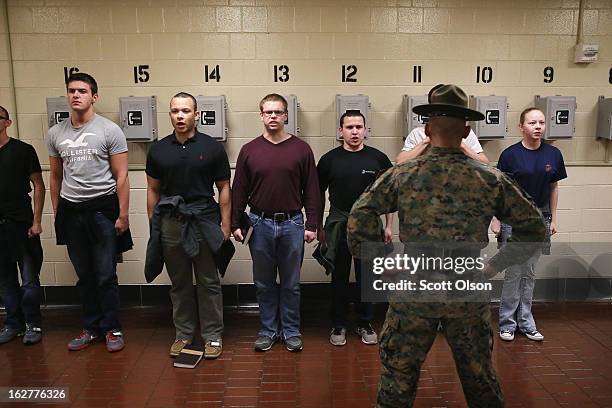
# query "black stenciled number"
(348, 73)
(485, 74)
(281, 73)
(141, 73)
(549, 74)
(213, 74)
(68, 72)
(610, 76)
(417, 70)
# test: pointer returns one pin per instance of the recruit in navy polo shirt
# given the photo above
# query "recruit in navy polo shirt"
(534, 170)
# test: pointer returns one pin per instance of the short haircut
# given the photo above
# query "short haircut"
(82, 76)
(5, 112)
(526, 111)
(187, 95)
(273, 97)
(446, 126)
(351, 113)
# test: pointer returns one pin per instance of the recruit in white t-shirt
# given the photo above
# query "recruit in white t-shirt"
(417, 135)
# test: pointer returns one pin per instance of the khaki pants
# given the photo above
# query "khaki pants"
(207, 300)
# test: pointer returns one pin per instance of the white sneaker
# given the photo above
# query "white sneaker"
(506, 335)
(338, 336)
(534, 335)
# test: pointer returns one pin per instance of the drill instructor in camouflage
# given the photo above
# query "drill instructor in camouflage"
(443, 196)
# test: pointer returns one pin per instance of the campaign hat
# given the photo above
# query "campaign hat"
(448, 100)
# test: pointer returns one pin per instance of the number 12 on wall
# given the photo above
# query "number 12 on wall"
(349, 73)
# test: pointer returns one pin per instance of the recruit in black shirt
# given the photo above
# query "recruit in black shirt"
(18, 161)
(347, 174)
(188, 170)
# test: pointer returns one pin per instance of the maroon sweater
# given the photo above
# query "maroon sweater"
(276, 178)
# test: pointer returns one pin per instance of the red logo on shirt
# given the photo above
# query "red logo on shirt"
(548, 168)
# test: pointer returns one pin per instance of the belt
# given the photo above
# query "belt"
(275, 216)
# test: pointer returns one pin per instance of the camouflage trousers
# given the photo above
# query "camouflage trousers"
(407, 337)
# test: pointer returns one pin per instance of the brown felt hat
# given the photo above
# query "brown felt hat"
(448, 100)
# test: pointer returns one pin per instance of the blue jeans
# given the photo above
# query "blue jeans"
(96, 267)
(517, 291)
(278, 248)
(22, 302)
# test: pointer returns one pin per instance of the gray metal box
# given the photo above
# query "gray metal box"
(138, 118)
(495, 125)
(560, 114)
(212, 116)
(57, 110)
(411, 119)
(291, 124)
(353, 102)
(604, 118)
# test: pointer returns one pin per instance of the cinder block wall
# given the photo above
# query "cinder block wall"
(247, 38)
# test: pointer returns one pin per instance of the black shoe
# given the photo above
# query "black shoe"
(294, 343)
(33, 334)
(264, 343)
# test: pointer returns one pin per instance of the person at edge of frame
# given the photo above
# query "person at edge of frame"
(20, 230)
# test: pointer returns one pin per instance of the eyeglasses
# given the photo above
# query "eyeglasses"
(273, 112)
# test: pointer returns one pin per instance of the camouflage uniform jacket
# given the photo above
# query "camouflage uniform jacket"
(445, 196)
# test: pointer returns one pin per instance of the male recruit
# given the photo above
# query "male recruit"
(276, 176)
(20, 230)
(89, 186)
(181, 171)
(347, 171)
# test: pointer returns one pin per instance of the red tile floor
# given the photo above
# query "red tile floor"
(571, 368)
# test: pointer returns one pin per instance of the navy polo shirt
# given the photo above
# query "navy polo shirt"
(189, 169)
(534, 170)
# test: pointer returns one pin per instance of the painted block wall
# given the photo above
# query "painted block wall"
(384, 39)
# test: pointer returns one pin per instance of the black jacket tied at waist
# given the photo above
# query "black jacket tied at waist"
(335, 226)
(108, 205)
(201, 221)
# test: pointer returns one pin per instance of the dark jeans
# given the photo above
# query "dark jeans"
(341, 289)
(96, 267)
(22, 303)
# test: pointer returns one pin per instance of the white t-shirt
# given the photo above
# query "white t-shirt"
(85, 153)
(418, 135)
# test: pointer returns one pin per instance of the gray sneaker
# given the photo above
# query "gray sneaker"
(294, 343)
(33, 334)
(368, 335)
(114, 340)
(264, 343)
(8, 333)
(338, 336)
(82, 340)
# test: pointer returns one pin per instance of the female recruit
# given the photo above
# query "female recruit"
(537, 167)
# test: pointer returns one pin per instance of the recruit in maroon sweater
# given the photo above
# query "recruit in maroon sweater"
(276, 178)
